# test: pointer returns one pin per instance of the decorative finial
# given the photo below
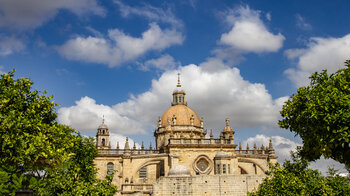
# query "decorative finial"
(270, 145)
(142, 146)
(103, 119)
(178, 80)
(227, 122)
(240, 146)
(169, 120)
(211, 133)
(126, 144)
(254, 149)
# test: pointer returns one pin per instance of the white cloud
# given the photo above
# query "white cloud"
(283, 146)
(323, 164)
(119, 47)
(114, 138)
(149, 12)
(249, 34)
(164, 62)
(268, 16)
(86, 115)
(9, 45)
(24, 14)
(213, 95)
(213, 64)
(301, 23)
(321, 53)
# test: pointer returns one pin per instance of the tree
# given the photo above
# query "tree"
(35, 147)
(295, 178)
(320, 115)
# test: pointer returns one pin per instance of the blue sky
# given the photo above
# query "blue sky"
(237, 59)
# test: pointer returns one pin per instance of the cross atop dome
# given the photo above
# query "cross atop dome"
(178, 80)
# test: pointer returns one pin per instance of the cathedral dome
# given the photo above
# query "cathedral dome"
(183, 115)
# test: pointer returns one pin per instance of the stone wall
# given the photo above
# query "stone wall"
(213, 185)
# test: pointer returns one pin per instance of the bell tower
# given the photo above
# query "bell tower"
(102, 136)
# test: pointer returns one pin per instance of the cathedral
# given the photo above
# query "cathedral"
(185, 161)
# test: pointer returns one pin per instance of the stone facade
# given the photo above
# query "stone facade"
(210, 185)
(184, 161)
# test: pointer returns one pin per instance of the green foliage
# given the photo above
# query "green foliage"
(295, 178)
(34, 147)
(320, 115)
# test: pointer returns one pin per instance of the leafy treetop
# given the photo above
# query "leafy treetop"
(320, 115)
(295, 178)
(54, 158)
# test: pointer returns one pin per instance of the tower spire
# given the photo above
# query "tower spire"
(178, 80)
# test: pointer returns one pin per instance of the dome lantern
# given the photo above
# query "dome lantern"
(179, 94)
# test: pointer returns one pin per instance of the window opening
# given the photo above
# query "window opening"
(143, 172)
(110, 169)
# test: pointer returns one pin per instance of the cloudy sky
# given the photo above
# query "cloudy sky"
(119, 59)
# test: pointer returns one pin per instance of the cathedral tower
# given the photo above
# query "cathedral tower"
(102, 137)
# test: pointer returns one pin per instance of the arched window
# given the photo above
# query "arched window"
(224, 168)
(110, 169)
(143, 172)
(103, 142)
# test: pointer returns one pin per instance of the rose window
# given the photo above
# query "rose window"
(202, 164)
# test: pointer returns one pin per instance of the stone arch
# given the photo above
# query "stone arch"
(159, 164)
(243, 171)
(149, 162)
(264, 169)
